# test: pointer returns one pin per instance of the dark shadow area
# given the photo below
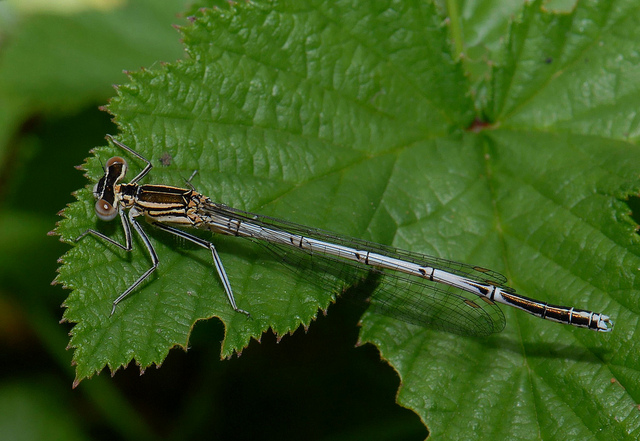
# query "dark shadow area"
(311, 385)
(634, 205)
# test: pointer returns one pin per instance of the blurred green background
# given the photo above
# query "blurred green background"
(58, 63)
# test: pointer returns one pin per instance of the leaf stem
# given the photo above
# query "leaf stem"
(456, 29)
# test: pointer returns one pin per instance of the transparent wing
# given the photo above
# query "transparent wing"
(462, 269)
(411, 299)
(436, 306)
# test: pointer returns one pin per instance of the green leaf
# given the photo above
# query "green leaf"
(59, 62)
(355, 117)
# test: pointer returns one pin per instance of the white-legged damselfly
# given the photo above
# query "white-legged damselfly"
(413, 287)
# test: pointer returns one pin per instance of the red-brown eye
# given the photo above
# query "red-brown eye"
(105, 211)
(115, 160)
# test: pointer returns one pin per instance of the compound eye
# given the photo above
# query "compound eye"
(116, 160)
(105, 211)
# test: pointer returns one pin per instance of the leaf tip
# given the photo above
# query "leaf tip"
(237, 352)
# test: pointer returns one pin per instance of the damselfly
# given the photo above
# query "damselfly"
(416, 288)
